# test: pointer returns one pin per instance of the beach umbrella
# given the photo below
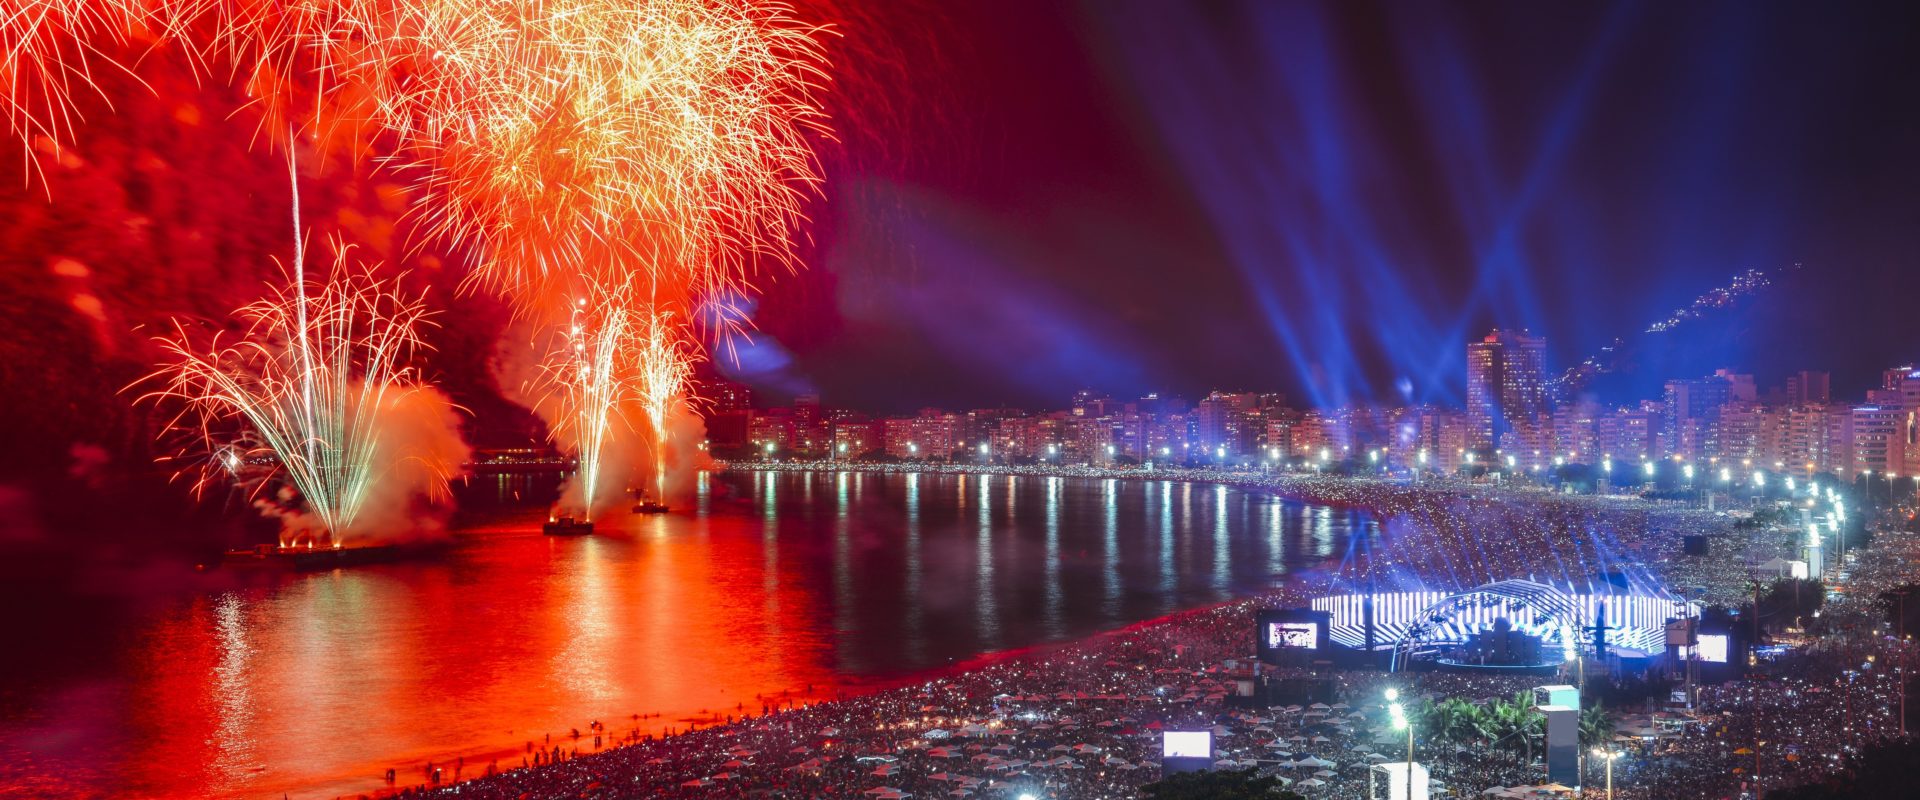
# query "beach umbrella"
(1313, 782)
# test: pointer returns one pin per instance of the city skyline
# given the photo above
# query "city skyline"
(1720, 421)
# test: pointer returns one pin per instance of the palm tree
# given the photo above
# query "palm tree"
(1513, 724)
(1451, 721)
(1596, 727)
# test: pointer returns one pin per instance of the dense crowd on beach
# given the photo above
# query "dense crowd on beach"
(1085, 720)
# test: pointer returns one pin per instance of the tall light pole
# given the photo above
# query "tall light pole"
(1400, 723)
(1607, 755)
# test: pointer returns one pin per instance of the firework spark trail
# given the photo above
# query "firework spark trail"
(584, 389)
(664, 361)
(48, 51)
(358, 338)
(670, 135)
(560, 137)
(663, 144)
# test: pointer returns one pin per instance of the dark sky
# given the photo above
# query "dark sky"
(1329, 198)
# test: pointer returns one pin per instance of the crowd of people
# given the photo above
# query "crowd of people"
(1086, 720)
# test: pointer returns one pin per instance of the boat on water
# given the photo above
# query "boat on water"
(311, 557)
(650, 506)
(567, 526)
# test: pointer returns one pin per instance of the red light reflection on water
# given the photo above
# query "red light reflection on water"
(316, 685)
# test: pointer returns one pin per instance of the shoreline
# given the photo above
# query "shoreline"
(1301, 487)
(1037, 657)
(1041, 662)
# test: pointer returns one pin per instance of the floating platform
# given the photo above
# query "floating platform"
(567, 526)
(650, 507)
(314, 558)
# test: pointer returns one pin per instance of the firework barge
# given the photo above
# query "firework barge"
(269, 556)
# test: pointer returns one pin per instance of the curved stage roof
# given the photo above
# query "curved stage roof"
(1560, 618)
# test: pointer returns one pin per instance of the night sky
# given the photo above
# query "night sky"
(1024, 199)
(1329, 199)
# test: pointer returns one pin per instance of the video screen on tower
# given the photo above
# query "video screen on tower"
(1187, 744)
(1713, 647)
(1293, 635)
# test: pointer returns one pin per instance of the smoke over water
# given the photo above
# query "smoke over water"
(682, 457)
(420, 449)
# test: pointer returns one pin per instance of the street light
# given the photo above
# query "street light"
(1400, 723)
(1607, 756)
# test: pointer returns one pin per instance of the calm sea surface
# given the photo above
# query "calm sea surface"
(314, 684)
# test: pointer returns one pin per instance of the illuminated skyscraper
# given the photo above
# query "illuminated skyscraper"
(1505, 383)
(1693, 404)
(1223, 424)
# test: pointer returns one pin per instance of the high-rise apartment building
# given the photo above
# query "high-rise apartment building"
(1223, 423)
(1692, 406)
(1505, 383)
